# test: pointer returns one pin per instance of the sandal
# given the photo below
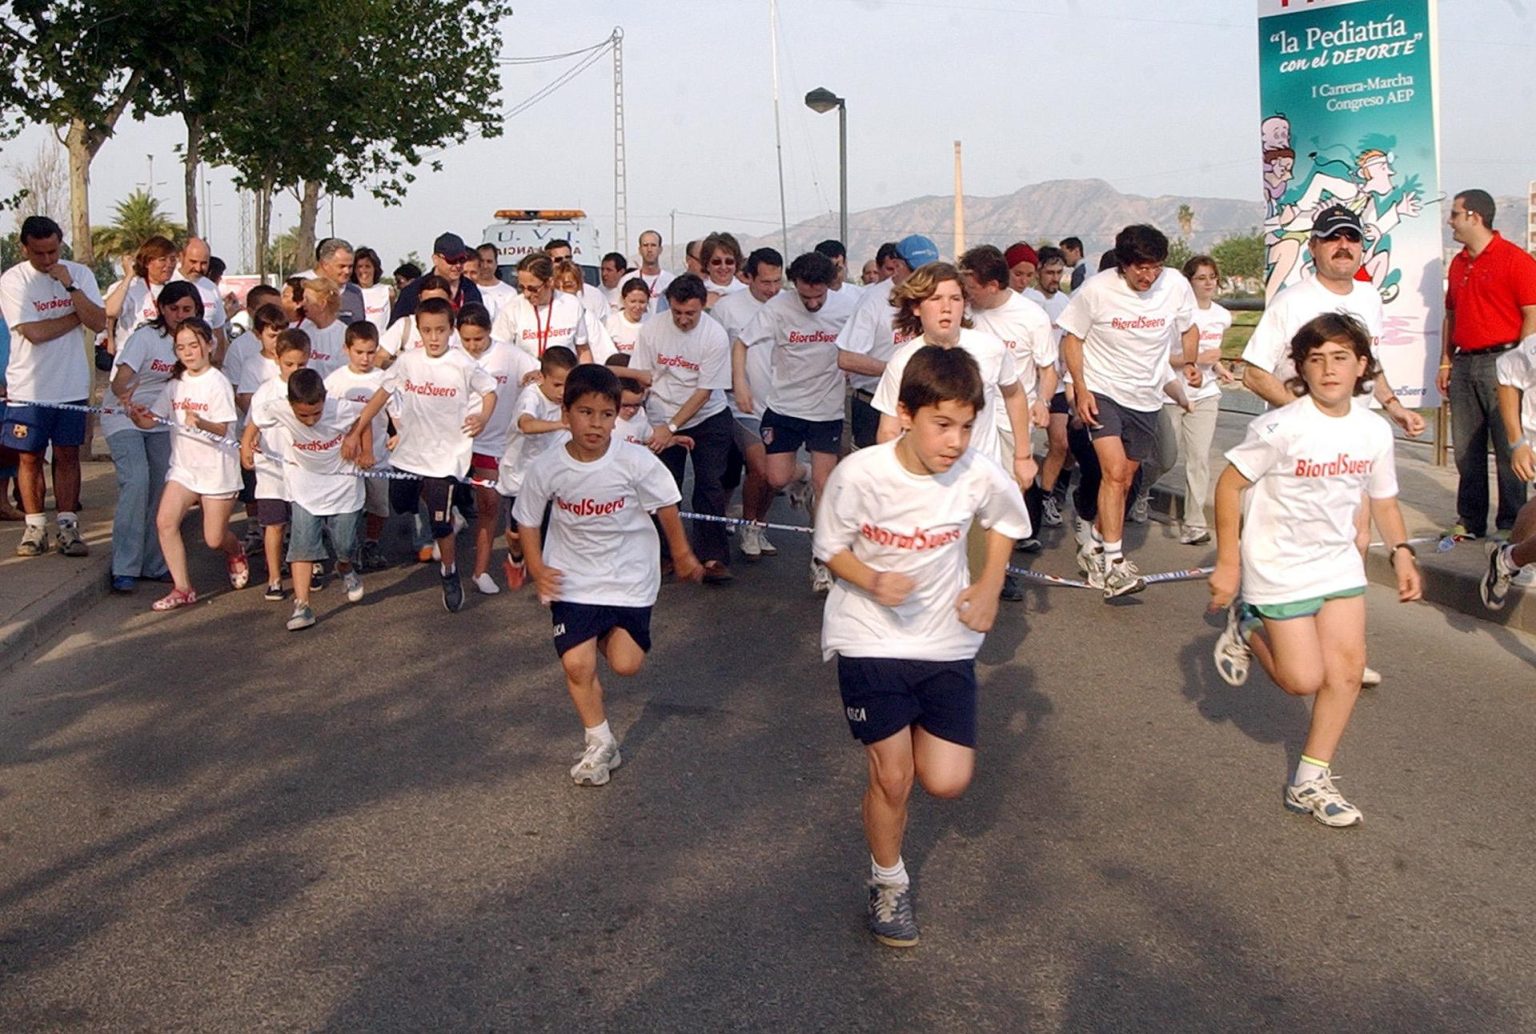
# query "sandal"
(239, 570)
(176, 598)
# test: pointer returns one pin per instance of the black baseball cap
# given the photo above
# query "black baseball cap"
(1335, 218)
(450, 246)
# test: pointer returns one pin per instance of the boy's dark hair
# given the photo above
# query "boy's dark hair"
(261, 294)
(1109, 260)
(687, 288)
(361, 330)
(591, 379)
(762, 257)
(473, 314)
(833, 249)
(433, 282)
(306, 387)
(987, 264)
(434, 307)
(812, 268)
(1333, 326)
(1075, 243)
(631, 385)
(557, 357)
(619, 359)
(293, 340)
(405, 269)
(935, 375)
(634, 283)
(1139, 244)
(269, 317)
(216, 268)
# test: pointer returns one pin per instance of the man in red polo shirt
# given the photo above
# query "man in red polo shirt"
(1490, 306)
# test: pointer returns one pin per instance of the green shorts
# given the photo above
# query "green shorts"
(1299, 608)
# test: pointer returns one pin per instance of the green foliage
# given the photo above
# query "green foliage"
(1179, 252)
(1241, 256)
(137, 218)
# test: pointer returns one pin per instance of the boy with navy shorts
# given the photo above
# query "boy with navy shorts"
(903, 618)
(599, 570)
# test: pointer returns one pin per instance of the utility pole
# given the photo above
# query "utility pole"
(959, 206)
(620, 174)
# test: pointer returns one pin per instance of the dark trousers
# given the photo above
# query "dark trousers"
(864, 420)
(1475, 420)
(711, 447)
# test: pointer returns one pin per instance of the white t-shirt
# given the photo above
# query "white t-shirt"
(55, 370)
(658, 283)
(805, 382)
(894, 520)
(523, 448)
(1309, 471)
(327, 348)
(431, 399)
(871, 331)
(496, 296)
(997, 372)
(197, 463)
(595, 302)
(358, 388)
(852, 291)
(1125, 334)
(243, 350)
(600, 537)
(271, 442)
(735, 313)
(1517, 368)
(1054, 306)
(1269, 347)
(561, 321)
(721, 290)
(622, 336)
(208, 291)
(141, 304)
(1213, 323)
(1025, 328)
(376, 303)
(637, 429)
(683, 362)
(318, 478)
(257, 370)
(509, 365)
(402, 336)
(151, 356)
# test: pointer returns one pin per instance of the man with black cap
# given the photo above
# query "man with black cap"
(448, 257)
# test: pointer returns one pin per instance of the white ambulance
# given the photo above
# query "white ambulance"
(520, 231)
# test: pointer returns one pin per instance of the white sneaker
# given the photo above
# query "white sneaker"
(1194, 536)
(598, 760)
(1120, 578)
(1090, 563)
(751, 542)
(802, 495)
(1370, 678)
(353, 583)
(1050, 511)
(734, 512)
(1141, 509)
(485, 584)
(1323, 800)
(1231, 653)
(821, 578)
(768, 548)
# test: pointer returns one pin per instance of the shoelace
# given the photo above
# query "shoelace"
(888, 902)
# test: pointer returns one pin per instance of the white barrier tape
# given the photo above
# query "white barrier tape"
(712, 519)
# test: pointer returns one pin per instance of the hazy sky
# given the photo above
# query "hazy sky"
(1156, 98)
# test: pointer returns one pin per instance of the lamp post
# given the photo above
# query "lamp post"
(822, 100)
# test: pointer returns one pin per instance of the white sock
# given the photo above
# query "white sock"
(448, 569)
(601, 732)
(896, 875)
(1308, 769)
(37, 520)
(1113, 550)
(67, 517)
(1082, 530)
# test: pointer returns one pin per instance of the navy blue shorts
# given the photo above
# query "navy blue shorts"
(34, 428)
(576, 623)
(1059, 404)
(882, 696)
(1136, 430)
(787, 433)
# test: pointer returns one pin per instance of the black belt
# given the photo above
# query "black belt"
(863, 396)
(1490, 350)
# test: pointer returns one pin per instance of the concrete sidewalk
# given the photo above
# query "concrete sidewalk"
(1427, 496)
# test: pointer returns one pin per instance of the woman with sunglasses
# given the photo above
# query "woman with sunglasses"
(720, 257)
(543, 316)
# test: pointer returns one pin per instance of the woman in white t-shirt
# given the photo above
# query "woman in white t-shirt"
(623, 323)
(141, 456)
(131, 302)
(720, 256)
(543, 316)
(378, 293)
(1194, 429)
(199, 406)
(1305, 468)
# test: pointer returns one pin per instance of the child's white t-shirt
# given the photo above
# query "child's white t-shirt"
(535, 329)
(376, 303)
(1025, 328)
(196, 462)
(1309, 471)
(997, 372)
(343, 384)
(806, 382)
(1517, 369)
(637, 429)
(271, 445)
(151, 356)
(431, 398)
(622, 336)
(327, 348)
(318, 479)
(1213, 324)
(509, 365)
(523, 448)
(894, 520)
(1126, 334)
(600, 537)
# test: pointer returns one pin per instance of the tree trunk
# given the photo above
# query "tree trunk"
(263, 226)
(78, 143)
(309, 213)
(190, 161)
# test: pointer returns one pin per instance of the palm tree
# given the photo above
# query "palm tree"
(1186, 221)
(138, 217)
(283, 252)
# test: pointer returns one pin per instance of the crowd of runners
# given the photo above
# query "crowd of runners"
(930, 418)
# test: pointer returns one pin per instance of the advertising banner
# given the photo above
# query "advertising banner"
(1349, 116)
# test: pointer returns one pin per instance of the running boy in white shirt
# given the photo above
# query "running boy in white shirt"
(538, 423)
(1516, 371)
(442, 399)
(599, 569)
(262, 451)
(1306, 467)
(356, 382)
(903, 619)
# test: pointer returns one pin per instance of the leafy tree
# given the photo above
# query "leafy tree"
(1179, 252)
(1241, 256)
(138, 218)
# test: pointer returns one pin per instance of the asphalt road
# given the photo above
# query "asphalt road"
(209, 823)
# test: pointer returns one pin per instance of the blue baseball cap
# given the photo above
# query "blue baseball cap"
(917, 250)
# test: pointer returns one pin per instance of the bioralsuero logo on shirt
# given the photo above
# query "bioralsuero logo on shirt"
(161, 366)
(916, 539)
(590, 507)
(430, 390)
(1138, 323)
(815, 337)
(47, 305)
(190, 405)
(317, 445)
(1341, 465)
(677, 361)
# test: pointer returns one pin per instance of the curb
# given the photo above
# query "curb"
(49, 618)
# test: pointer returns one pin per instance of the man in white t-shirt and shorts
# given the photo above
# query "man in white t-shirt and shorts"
(1054, 472)
(1115, 338)
(46, 301)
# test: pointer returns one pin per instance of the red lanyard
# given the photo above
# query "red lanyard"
(542, 329)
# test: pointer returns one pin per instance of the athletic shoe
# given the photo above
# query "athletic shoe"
(716, 573)
(274, 593)
(1050, 511)
(1141, 509)
(373, 558)
(1090, 563)
(303, 617)
(1494, 588)
(1121, 578)
(485, 585)
(751, 542)
(453, 592)
(254, 541)
(1013, 592)
(1029, 545)
(124, 584)
(1500, 535)
(426, 554)
(175, 598)
(598, 760)
(34, 541)
(1370, 678)
(239, 570)
(516, 573)
(353, 583)
(734, 512)
(892, 920)
(1321, 798)
(768, 548)
(1195, 536)
(317, 578)
(1459, 532)
(801, 494)
(821, 578)
(70, 542)
(1232, 654)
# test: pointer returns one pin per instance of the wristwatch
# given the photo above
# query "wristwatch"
(1403, 545)
(71, 288)
(671, 427)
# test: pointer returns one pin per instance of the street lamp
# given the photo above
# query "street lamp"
(822, 100)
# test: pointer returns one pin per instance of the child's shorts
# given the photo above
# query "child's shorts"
(306, 540)
(883, 695)
(272, 512)
(1299, 608)
(576, 623)
(376, 497)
